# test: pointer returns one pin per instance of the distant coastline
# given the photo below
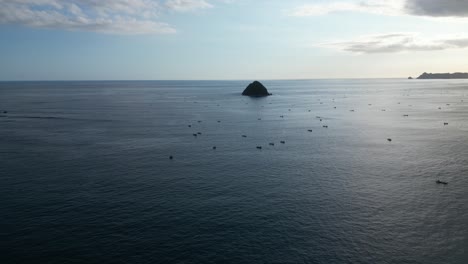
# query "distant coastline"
(456, 75)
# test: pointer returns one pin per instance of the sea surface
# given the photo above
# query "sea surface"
(86, 174)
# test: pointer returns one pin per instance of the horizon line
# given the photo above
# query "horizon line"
(149, 80)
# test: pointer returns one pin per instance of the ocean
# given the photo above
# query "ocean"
(86, 174)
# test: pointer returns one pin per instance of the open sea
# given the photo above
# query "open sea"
(85, 173)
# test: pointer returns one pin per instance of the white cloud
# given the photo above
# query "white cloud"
(187, 5)
(116, 16)
(399, 42)
(371, 6)
(429, 8)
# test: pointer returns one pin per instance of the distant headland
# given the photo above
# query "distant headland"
(456, 75)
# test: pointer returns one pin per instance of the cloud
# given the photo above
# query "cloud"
(429, 8)
(399, 42)
(187, 5)
(371, 6)
(116, 16)
(437, 8)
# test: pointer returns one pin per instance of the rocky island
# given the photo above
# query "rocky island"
(456, 75)
(256, 89)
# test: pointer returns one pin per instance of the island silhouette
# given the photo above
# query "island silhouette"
(256, 89)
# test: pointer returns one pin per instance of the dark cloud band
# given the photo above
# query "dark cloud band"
(437, 8)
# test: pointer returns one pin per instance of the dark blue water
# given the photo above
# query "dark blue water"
(85, 174)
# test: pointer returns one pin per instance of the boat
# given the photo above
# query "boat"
(441, 182)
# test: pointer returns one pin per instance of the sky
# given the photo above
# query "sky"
(230, 39)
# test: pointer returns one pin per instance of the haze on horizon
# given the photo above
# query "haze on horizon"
(230, 39)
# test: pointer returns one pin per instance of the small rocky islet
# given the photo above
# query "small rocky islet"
(256, 89)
